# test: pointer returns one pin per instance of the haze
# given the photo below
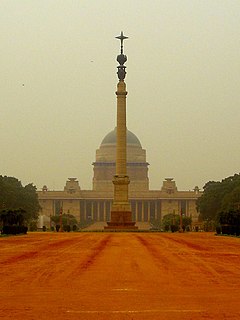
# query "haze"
(58, 80)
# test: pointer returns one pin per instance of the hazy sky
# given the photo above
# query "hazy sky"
(58, 80)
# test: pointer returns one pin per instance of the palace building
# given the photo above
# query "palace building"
(120, 159)
(95, 204)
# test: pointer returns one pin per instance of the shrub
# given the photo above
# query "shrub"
(238, 230)
(218, 230)
(33, 226)
(230, 222)
(67, 228)
(14, 230)
(174, 228)
(166, 227)
(75, 227)
(225, 229)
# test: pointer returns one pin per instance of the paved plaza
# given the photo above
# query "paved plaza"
(119, 276)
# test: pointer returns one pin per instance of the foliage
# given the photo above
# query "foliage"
(230, 222)
(169, 219)
(12, 217)
(14, 196)
(67, 220)
(174, 228)
(67, 228)
(33, 225)
(231, 217)
(166, 227)
(218, 230)
(13, 221)
(173, 221)
(219, 196)
(231, 200)
(155, 224)
(209, 225)
(75, 227)
(14, 230)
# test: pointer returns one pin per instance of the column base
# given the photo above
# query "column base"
(121, 220)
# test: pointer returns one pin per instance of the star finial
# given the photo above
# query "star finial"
(121, 37)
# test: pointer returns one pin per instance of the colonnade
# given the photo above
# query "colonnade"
(99, 210)
(144, 210)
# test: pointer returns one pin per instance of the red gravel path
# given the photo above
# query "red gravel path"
(119, 276)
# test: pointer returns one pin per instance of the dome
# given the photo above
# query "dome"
(111, 138)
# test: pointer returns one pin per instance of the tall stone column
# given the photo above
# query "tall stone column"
(121, 215)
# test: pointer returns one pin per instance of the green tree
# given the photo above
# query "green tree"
(174, 220)
(12, 217)
(30, 202)
(14, 196)
(231, 200)
(210, 201)
(219, 196)
(155, 224)
(67, 219)
(230, 222)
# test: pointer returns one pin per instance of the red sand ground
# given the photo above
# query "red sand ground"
(119, 276)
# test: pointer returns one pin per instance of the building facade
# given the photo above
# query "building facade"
(96, 204)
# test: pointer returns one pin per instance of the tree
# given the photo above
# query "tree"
(231, 200)
(173, 221)
(219, 196)
(12, 221)
(230, 222)
(209, 203)
(67, 220)
(14, 196)
(155, 224)
(30, 202)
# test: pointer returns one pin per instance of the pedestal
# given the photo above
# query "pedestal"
(121, 220)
